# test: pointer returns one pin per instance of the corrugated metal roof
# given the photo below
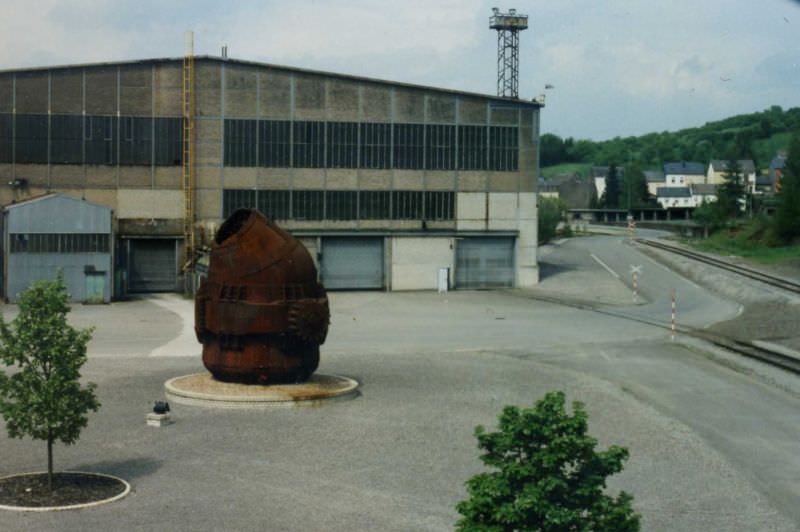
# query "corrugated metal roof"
(214, 59)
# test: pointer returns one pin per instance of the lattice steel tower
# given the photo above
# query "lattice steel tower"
(508, 26)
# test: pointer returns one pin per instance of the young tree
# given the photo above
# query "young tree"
(612, 187)
(548, 475)
(551, 211)
(43, 398)
(787, 217)
(732, 191)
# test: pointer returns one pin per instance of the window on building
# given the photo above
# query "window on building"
(440, 147)
(136, 142)
(274, 143)
(342, 144)
(308, 204)
(59, 243)
(274, 204)
(168, 141)
(374, 205)
(376, 145)
(100, 139)
(341, 205)
(233, 199)
(240, 142)
(409, 146)
(503, 148)
(66, 139)
(472, 147)
(31, 142)
(6, 130)
(308, 144)
(439, 205)
(406, 205)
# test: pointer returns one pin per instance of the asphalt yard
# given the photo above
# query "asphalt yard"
(711, 445)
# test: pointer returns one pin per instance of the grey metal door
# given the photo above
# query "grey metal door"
(151, 265)
(485, 262)
(352, 263)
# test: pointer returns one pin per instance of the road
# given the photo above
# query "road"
(712, 448)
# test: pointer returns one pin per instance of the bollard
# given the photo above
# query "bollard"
(673, 313)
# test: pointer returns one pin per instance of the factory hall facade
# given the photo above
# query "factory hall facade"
(391, 186)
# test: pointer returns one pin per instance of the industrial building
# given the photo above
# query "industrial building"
(386, 183)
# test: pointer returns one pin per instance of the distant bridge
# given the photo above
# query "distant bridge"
(643, 214)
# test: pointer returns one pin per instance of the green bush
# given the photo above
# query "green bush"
(551, 212)
(547, 475)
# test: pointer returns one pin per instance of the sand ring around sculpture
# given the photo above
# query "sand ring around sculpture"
(201, 389)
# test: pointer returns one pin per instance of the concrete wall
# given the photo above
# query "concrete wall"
(415, 261)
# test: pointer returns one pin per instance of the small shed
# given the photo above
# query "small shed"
(44, 234)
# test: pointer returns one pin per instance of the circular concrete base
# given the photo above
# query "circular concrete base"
(201, 389)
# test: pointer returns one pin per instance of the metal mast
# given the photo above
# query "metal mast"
(188, 155)
(508, 26)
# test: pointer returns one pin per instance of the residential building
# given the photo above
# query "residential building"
(718, 169)
(674, 197)
(683, 173)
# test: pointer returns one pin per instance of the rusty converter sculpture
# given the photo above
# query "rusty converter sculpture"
(261, 314)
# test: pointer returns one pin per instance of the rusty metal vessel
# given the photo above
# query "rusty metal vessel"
(261, 314)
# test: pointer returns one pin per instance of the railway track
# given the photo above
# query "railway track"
(772, 280)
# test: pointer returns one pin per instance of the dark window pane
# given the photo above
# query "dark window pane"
(237, 199)
(308, 204)
(308, 144)
(341, 204)
(374, 205)
(440, 144)
(376, 144)
(342, 147)
(60, 243)
(472, 143)
(66, 139)
(274, 204)
(406, 205)
(503, 148)
(5, 137)
(136, 142)
(409, 146)
(31, 142)
(274, 143)
(100, 139)
(240, 142)
(439, 205)
(168, 141)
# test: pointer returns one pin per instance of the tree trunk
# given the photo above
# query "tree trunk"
(50, 460)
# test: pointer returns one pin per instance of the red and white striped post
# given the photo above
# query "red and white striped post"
(673, 313)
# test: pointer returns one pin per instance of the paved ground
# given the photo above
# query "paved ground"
(712, 447)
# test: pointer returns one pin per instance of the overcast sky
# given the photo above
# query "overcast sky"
(618, 67)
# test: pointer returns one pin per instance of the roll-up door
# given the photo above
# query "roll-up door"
(352, 263)
(485, 262)
(151, 265)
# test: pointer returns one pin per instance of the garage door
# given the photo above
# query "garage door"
(151, 265)
(485, 263)
(352, 263)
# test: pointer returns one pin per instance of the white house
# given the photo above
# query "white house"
(671, 197)
(718, 168)
(683, 173)
(703, 193)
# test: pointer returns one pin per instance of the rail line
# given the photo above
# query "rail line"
(744, 271)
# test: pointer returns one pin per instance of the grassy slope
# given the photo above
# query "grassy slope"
(748, 241)
(567, 168)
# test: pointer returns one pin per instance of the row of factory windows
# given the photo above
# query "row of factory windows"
(59, 242)
(128, 140)
(281, 143)
(343, 204)
(104, 140)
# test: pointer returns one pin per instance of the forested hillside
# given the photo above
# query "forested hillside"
(750, 136)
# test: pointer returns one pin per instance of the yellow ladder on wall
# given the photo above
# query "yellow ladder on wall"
(188, 155)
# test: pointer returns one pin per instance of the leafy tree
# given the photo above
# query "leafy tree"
(552, 150)
(551, 212)
(612, 187)
(633, 192)
(547, 475)
(44, 399)
(787, 217)
(731, 192)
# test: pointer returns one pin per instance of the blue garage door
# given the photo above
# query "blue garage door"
(352, 263)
